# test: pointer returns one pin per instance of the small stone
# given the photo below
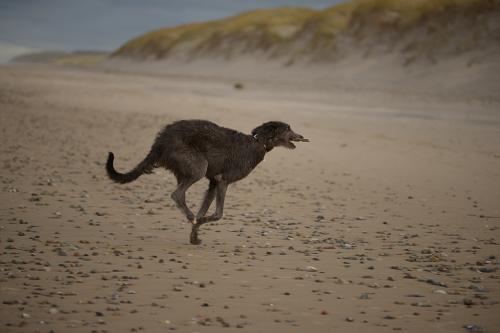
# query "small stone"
(222, 321)
(349, 319)
(473, 328)
(486, 269)
(311, 269)
(436, 283)
(468, 301)
(364, 296)
(341, 281)
(8, 302)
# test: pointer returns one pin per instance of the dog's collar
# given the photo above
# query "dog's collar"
(256, 139)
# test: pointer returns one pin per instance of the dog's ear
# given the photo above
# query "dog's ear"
(272, 125)
(268, 130)
(272, 129)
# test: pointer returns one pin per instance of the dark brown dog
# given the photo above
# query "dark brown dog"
(193, 149)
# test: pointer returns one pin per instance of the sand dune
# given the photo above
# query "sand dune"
(450, 46)
(419, 31)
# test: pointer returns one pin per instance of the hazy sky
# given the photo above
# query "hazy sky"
(106, 24)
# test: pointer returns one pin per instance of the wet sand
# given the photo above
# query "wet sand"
(388, 220)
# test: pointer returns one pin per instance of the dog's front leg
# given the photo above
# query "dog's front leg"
(208, 199)
(221, 189)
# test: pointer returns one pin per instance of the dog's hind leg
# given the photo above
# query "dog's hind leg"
(179, 197)
(194, 171)
(221, 196)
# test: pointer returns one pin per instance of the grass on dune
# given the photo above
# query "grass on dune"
(262, 29)
(268, 24)
(412, 11)
(420, 7)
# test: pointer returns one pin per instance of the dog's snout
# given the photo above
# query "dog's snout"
(298, 137)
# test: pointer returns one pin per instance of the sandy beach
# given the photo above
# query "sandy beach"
(388, 220)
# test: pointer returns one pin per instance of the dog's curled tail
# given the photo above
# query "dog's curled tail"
(146, 166)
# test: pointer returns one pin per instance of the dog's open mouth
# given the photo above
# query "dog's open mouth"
(296, 138)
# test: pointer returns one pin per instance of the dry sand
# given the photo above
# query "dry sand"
(388, 220)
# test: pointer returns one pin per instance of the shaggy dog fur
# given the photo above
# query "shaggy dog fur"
(193, 149)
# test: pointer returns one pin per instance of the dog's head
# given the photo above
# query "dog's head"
(277, 133)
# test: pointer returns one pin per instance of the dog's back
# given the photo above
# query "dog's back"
(201, 135)
(220, 147)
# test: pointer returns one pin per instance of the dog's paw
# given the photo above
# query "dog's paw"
(193, 238)
(195, 241)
